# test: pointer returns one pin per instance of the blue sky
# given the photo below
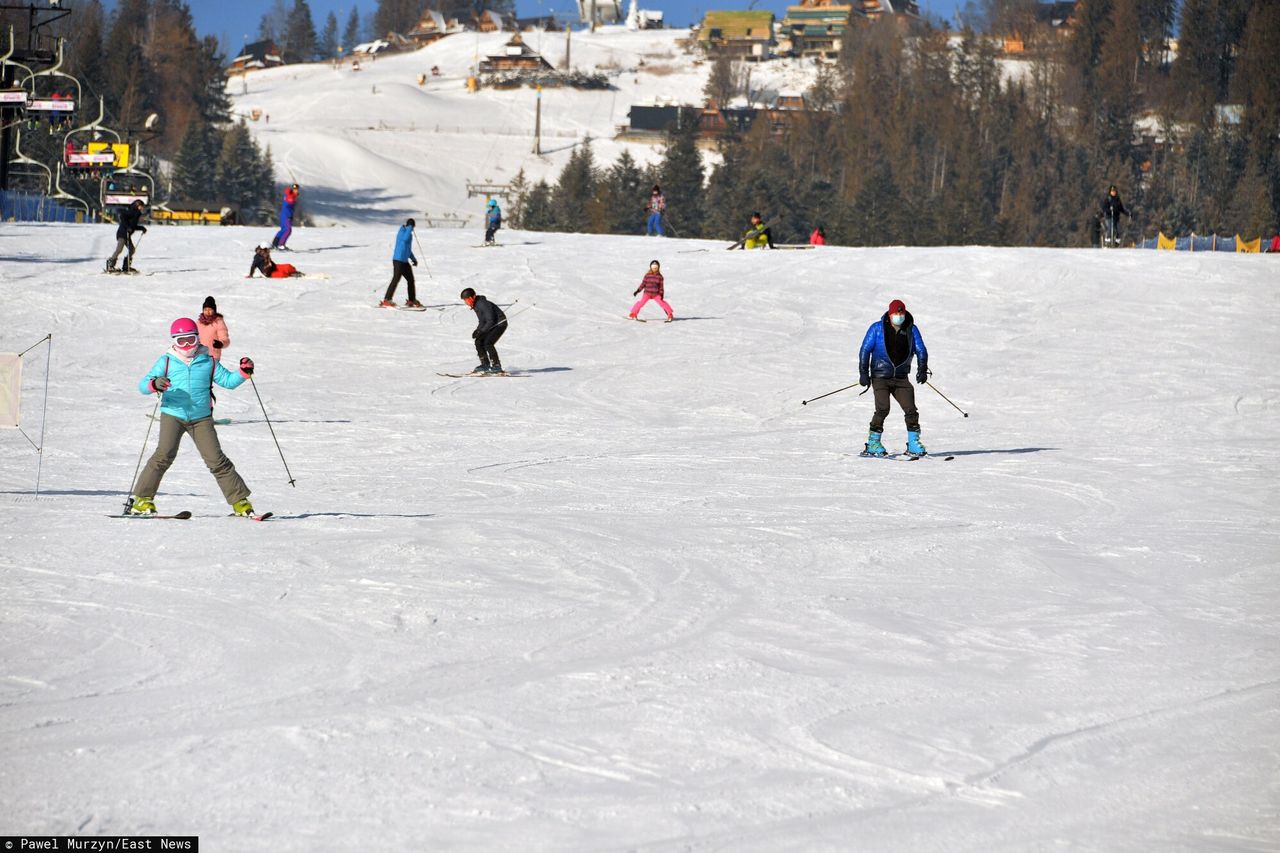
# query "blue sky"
(233, 20)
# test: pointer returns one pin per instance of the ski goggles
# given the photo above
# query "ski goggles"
(186, 340)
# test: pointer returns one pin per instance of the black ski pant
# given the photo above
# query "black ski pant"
(900, 390)
(488, 234)
(121, 244)
(484, 345)
(401, 269)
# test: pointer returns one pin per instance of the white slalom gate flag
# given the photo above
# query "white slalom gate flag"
(10, 389)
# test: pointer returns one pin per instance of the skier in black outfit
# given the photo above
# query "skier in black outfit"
(490, 324)
(124, 236)
(1112, 208)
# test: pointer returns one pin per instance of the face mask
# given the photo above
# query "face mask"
(898, 319)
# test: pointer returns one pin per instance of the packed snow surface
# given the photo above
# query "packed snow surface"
(641, 597)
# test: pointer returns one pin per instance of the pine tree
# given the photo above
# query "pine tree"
(238, 172)
(327, 47)
(722, 83)
(195, 167)
(1255, 85)
(538, 212)
(85, 50)
(681, 177)
(397, 16)
(300, 34)
(351, 34)
(874, 217)
(574, 190)
(514, 213)
(1251, 213)
(621, 195)
(212, 99)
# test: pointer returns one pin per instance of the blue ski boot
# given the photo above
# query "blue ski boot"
(874, 447)
(914, 447)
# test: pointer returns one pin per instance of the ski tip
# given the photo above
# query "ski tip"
(184, 514)
(262, 517)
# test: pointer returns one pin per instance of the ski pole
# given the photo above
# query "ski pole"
(273, 431)
(674, 233)
(837, 391)
(128, 498)
(944, 396)
(424, 256)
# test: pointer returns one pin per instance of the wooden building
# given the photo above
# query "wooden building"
(740, 35)
(260, 54)
(516, 56)
(816, 28)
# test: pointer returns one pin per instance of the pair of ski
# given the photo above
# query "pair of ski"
(903, 457)
(482, 373)
(186, 514)
(640, 320)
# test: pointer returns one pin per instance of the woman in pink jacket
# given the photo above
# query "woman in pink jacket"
(653, 289)
(213, 329)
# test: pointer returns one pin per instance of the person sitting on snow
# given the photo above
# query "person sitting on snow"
(270, 269)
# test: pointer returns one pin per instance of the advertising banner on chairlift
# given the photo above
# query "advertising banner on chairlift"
(10, 389)
(51, 105)
(14, 97)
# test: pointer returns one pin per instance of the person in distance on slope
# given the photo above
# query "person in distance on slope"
(818, 237)
(757, 236)
(655, 207)
(654, 289)
(124, 235)
(269, 268)
(1112, 208)
(401, 258)
(184, 377)
(492, 221)
(490, 324)
(286, 217)
(884, 363)
(213, 329)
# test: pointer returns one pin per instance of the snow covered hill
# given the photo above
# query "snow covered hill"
(371, 141)
(642, 598)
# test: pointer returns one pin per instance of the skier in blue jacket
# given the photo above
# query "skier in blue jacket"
(184, 377)
(400, 260)
(884, 363)
(492, 221)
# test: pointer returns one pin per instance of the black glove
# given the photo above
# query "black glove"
(160, 383)
(217, 344)
(922, 374)
(635, 292)
(415, 263)
(246, 365)
(864, 380)
(142, 229)
(475, 334)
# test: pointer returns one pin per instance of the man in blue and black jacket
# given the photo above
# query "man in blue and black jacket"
(884, 363)
(401, 257)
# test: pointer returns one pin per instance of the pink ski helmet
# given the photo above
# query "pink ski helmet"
(183, 326)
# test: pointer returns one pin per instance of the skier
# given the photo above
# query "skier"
(490, 324)
(884, 363)
(818, 237)
(757, 236)
(653, 288)
(400, 260)
(270, 269)
(184, 377)
(124, 236)
(492, 221)
(655, 207)
(286, 218)
(1112, 208)
(213, 329)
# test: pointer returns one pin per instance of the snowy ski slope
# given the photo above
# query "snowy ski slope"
(643, 599)
(374, 141)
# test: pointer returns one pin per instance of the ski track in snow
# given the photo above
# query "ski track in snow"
(644, 599)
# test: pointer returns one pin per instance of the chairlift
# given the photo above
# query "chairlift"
(82, 161)
(127, 185)
(28, 165)
(66, 196)
(57, 108)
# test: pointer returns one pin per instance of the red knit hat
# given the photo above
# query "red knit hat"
(896, 305)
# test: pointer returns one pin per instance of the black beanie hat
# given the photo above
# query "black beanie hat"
(209, 303)
(410, 222)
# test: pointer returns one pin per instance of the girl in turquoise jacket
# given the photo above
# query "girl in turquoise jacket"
(184, 377)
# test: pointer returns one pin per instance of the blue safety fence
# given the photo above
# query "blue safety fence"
(1192, 243)
(33, 207)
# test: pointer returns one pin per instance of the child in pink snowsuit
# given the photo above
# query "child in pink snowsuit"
(213, 329)
(653, 289)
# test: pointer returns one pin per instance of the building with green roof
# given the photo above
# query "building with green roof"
(742, 35)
